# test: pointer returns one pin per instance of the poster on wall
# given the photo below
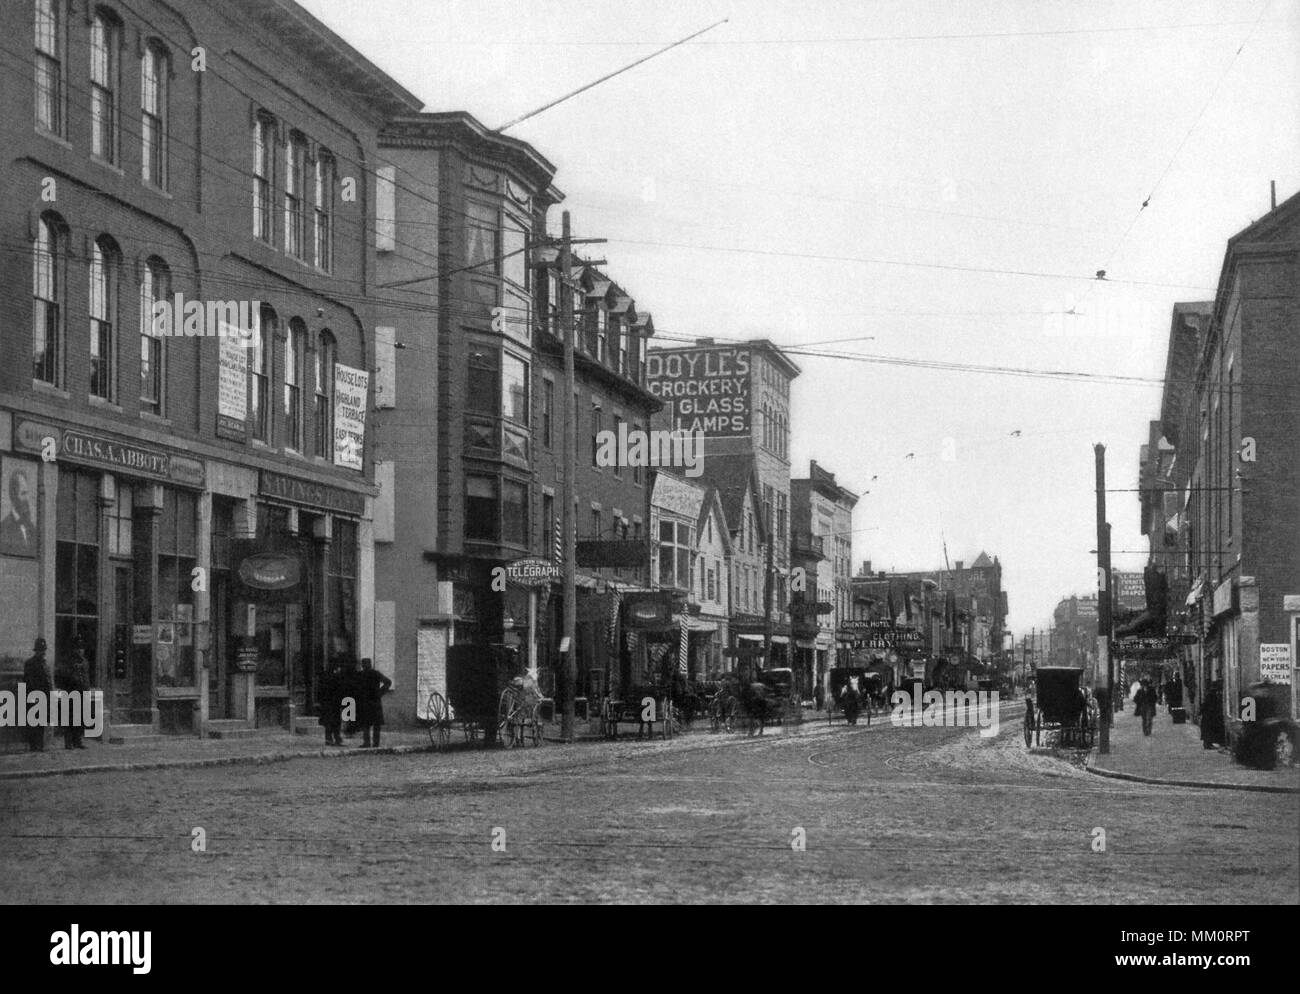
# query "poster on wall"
(232, 387)
(350, 386)
(18, 534)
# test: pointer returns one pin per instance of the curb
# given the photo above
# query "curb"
(181, 764)
(1202, 784)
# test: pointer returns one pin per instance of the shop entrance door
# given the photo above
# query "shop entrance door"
(132, 688)
(218, 699)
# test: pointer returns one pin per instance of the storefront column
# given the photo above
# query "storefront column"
(366, 584)
(203, 609)
(323, 533)
(243, 704)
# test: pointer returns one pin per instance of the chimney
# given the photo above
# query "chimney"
(960, 564)
(866, 567)
(704, 341)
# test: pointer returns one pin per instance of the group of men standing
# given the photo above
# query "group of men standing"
(355, 696)
(71, 674)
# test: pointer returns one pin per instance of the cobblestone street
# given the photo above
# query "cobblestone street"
(889, 815)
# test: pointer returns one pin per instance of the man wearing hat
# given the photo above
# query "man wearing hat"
(36, 677)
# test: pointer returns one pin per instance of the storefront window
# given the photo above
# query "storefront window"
(177, 552)
(342, 612)
(76, 570)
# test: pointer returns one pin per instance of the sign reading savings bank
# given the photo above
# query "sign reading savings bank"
(707, 388)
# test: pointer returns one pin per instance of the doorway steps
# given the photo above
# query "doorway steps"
(238, 728)
(133, 735)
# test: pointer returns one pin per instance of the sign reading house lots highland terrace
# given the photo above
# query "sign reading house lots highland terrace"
(707, 388)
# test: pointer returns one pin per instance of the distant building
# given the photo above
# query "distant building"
(738, 397)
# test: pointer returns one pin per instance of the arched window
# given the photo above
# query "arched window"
(263, 175)
(295, 349)
(326, 353)
(260, 365)
(153, 115)
(154, 287)
(102, 285)
(295, 187)
(105, 40)
(323, 211)
(49, 66)
(49, 261)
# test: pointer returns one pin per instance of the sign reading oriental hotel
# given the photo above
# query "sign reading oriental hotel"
(707, 388)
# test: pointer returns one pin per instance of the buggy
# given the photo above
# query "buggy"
(1060, 705)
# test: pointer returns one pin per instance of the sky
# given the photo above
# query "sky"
(934, 182)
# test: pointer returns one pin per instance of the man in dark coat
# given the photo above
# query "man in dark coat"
(371, 687)
(73, 675)
(331, 704)
(36, 677)
(852, 702)
(1144, 703)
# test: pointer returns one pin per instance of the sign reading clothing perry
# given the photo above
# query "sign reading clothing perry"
(708, 388)
(350, 386)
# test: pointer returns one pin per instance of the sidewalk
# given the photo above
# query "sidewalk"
(182, 751)
(1173, 755)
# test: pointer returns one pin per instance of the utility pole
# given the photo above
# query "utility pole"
(767, 599)
(569, 463)
(1103, 604)
(569, 669)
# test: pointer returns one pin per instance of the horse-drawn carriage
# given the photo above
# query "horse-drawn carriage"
(488, 696)
(1060, 705)
(870, 685)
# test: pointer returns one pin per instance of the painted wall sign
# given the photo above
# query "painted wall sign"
(709, 389)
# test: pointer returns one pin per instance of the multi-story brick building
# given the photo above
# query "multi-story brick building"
(737, 397)
(822, 529)
(199, 505)
(1234, 435)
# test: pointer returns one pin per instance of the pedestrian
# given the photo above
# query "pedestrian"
(349, 695)
(331, 703)
(371, 687)
(73, 675)
(1144, 703)
(851, 700)
(1174, 692)
(36, 677)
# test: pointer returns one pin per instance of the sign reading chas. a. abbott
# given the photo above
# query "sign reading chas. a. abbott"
(707, 388)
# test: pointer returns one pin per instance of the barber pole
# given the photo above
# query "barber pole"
(683, 647)
(559, 539)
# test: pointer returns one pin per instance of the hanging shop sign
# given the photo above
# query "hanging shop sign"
(613, 552)
(533, 571)
(270, 571)
(799, 609)
(648, 610)
(1223, 597)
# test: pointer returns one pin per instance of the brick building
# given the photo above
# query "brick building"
(1230, 415)
(738, 397)
(199, 505)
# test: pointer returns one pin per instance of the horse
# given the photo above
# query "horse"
(756, 702)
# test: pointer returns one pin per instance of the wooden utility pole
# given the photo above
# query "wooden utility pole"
(569, 667)
(767, 600)
(1103, 605)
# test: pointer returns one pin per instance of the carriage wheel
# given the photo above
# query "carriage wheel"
(729, 714)
(439, 713)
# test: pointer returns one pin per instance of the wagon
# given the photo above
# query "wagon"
(487, 697)
(1060, 705)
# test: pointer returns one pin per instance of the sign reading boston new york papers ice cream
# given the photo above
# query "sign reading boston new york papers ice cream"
(350, 386)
